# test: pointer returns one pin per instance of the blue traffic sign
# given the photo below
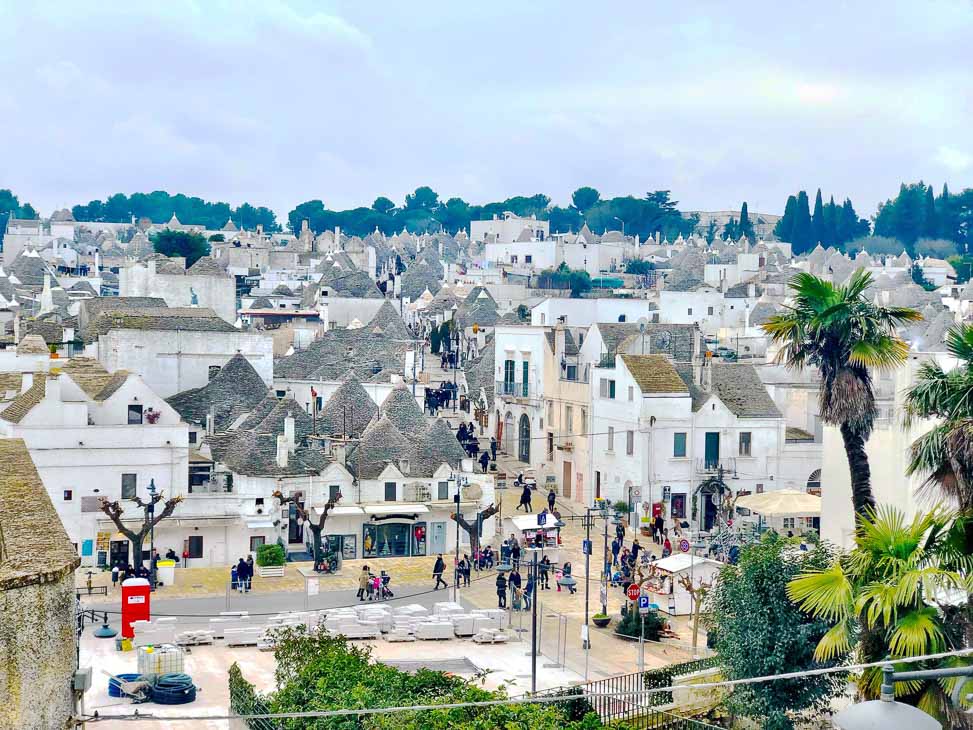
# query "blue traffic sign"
(542, 519)
(643, 601)
(586, 547)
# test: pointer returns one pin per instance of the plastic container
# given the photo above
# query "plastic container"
(165, 572)
(160, 659)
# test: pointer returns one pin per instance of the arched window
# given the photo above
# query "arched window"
(523, 452)
(814, 482)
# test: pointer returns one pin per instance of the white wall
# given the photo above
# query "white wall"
(215, 292)
(586, 312)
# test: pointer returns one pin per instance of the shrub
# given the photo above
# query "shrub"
(621, 506)
(271, 555)
(631, 625)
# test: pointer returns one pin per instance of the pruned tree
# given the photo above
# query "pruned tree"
(316, 526)
(698, 591)
(470, 528)
(150, 518)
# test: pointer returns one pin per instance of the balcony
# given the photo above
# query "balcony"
(713, 466)
(607, 361)
(513, 389)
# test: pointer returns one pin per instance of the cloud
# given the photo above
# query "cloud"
(953, 159)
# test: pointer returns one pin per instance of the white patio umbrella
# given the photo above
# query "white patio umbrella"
(782, 503)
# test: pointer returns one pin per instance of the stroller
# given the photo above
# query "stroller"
(386, 593)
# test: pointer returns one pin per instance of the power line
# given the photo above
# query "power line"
(538, 700)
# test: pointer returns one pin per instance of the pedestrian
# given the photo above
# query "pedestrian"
(467, 568)
(545, 568)
(666, 548)
(493, 448)
(515, 554)
(620, 532)
(437, 572)
(525, 500)
(249, 571)
(515, 581)
(241, 574)
(567, 574)
(501, 591)
(234, 577)
(484, 461)
(114, 576)
(517, 596)
(461, 433)
(362, 583)
(489, 558)
(616, 548)
(529, 590)
(551, 499)
(635, 550)
(658, 525)
(558, 574)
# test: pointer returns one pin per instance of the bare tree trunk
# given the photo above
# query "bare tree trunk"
(861, 475)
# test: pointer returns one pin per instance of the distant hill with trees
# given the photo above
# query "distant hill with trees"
(159, 206)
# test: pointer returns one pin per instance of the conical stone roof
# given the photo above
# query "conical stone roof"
(234, 390)
(438, 446)
(381, 444)
(388, 321)
(401, 408)
(348, 411)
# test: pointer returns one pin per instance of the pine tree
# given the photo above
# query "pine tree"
(784, 230)
(930, 221)
(830, 223)
(945, 213)
(802, 237)
(818, 226)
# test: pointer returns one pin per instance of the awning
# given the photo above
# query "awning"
(529, 522)
(342, 510)
(259, 524)
(392, 509)
(782, 503)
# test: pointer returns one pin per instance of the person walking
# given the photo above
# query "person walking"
(249, 571)
(362, 583)
(437, 572)
(620, 532)
(658, 525)
(493, 448)
(566, 573)
(501, 591)
(525, 497)
(234, 577)
(616, 549)
(241, 575)
(551, 499)
(484, 461)
(114, 576)
(467, 569)
(528, 590)
(515, 554)
(666, 548)
(635, 550)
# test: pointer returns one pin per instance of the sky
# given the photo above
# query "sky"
(280, 102)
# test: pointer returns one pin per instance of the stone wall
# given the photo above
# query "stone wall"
(37, 655)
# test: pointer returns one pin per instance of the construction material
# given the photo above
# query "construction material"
(122, 685)
(157, 660)
(173, 689)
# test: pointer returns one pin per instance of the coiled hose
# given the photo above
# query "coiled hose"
(173, 689)
(114, 689)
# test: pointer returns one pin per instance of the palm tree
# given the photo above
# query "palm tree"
(945, 453)
(881, 598)
(837, 329)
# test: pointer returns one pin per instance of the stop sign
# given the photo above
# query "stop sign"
(634, 591)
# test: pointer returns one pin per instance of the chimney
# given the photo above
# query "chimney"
(97, 262)
(751, 290)
(289, 433)
(305, 225)
(210, 423)
(337, 237)
(260, 228)
(340, 451)
(282, 451)
(559, 341)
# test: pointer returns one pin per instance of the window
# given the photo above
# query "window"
(607, 388)
(788, 523)
(655, 317)
(508, 376)
(550, 446)
(192, 437)
(195, 546)
(389, 491)
(744, 443)
(528, 259)
(281, 393)
(689, 311)
(525, 374)
(760, 489)
(259, 501)
(584, 422)
(621, 318)
(630, 442)
(334, 491)
(129, 484)
(68, 495)
(513, 259)
(679, 445)
(611, 438)
(255, 542)
(572, 372)
(550, 411)
(443, 491)
(134, 415)
(678, 506)
(568, 419)
(631, 393)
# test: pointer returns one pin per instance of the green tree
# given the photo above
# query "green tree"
(10, 206)
(878, 599)
(27, 212)
(784, 228)
(455, 215)
(841, 332)
(639, 267)
(711, 231)
(939, 248)
(731, 231)
(191, 246)
(383, 205)
(802, 234)
(745, 225)
(585, 198)
(930, 219)
(424, 198)
(849, 226)
(876, 245)
(756, 630)
(818, 224)
(919, 277)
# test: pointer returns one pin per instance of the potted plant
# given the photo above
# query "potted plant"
(270, 560)
(621, 507)
(601, 620)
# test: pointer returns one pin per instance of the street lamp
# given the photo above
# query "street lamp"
(150, 511)
(456, 561)
(620, 221)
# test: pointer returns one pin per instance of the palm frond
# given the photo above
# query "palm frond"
(836, 642)
(917, 632)
(826, 594)
(883, 352)
(959, 342)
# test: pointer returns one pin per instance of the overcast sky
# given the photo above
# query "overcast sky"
(280, 102)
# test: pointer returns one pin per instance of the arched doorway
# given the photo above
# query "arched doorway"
(508, 434)
(523, 450)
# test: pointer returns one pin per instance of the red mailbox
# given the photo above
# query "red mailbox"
(135, 604)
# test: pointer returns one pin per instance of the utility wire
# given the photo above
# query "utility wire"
(540, 700)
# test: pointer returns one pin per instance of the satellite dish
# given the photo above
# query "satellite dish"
(473, 492)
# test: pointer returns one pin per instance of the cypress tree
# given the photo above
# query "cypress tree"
(818, 226)
(784, 230)
(831, 223)
(745, 227)
(947, 227)
(802, 236)
(930, 221)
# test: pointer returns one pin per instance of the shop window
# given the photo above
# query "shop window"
(195, 546)
(129, 485)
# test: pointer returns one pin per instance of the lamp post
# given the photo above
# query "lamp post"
(456, 560)
(533, 627)
(150, 510)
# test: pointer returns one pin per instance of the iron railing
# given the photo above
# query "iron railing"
(515, 389)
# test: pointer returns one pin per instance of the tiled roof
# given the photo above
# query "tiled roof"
(10, 382)
(236, 389)
(739, 388)
(479, 375)
(116, 381)
(676, 340)
(401, 408)
(348, 411)
(89, 374)
(336, 351)
(32, 344)
(273, 422)
(654, 374)
(249, 453)
(206, 266)
(30, 555)
(23, 403)
(437, 446)
(183, 319)
(388, 322)
(381, 444)
(478, 308)
(421, 276)
(698, 395)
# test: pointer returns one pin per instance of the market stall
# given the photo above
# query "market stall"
(664, 585)
(525, 529)
(783, 509)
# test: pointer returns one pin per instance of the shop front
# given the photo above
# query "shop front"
(392, 532)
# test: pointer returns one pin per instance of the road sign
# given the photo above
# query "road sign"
(684, 545)
(586, 547)
(541, 519)
(643, 605)
(633, 592)
(636, 493)
(666, 493)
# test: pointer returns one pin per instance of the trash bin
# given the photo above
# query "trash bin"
(165, 572)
